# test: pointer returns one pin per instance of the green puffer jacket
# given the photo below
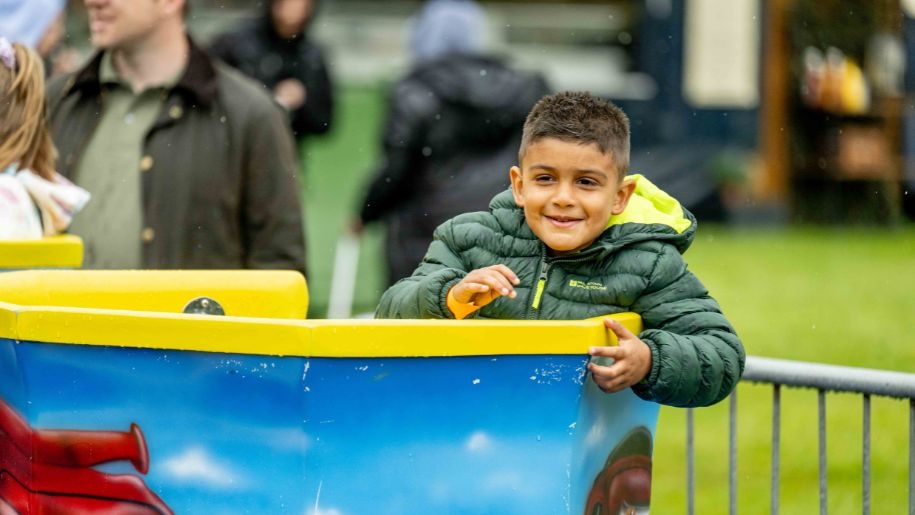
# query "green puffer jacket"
(635, 265)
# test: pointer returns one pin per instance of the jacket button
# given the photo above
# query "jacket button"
(146, 163)
(175, 112)
(148, 234)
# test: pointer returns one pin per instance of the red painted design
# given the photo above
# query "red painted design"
(49, 472)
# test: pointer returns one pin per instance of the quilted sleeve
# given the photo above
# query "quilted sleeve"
(697, 357)
(424, 294)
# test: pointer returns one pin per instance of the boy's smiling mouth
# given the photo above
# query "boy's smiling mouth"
(563, 221)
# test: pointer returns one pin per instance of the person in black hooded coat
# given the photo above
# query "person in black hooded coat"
(275, 50)
(453, 127)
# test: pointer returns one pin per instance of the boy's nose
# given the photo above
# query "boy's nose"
(564, 195)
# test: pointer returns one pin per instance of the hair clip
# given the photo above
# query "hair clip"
(7, 54)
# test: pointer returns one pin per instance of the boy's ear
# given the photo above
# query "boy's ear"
(514, 174)
(623, 194)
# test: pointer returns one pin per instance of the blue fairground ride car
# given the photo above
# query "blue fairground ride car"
(114, 399)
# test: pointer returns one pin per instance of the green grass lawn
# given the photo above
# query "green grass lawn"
(838, 296)
(844, 297)
(337, 167)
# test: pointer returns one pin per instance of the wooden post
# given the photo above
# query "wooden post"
(774, 130)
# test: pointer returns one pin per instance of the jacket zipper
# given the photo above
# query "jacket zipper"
(539, 288)
(545, 265)
(541, 284)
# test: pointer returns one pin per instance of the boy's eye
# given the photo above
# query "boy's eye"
(587, 181)
(543, 178)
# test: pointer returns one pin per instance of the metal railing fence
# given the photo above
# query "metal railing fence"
(824, 378)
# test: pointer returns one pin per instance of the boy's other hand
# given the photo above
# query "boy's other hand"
(631, 360)
(484, 285)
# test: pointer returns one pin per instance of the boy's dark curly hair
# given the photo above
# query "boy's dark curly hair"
(579, 117)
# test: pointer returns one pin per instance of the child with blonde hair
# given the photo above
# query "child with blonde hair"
(35, 200)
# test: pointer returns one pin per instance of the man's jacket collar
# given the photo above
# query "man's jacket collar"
(198, 82)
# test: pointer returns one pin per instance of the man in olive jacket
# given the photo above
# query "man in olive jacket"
(190, 164)
(576, 238)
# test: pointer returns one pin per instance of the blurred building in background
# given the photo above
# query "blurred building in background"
(746, 110)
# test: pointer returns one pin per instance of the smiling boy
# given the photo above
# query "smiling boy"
(576, 238)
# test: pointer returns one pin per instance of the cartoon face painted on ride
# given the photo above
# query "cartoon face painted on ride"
(623, 487)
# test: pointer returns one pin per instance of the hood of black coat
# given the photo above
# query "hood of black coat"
(486, 99)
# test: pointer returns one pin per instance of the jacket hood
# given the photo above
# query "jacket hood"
(651, 214)
(445, 27)
(651, 204)
(491, 98)
(481, 82)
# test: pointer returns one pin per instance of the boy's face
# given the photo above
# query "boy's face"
(568, 192)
